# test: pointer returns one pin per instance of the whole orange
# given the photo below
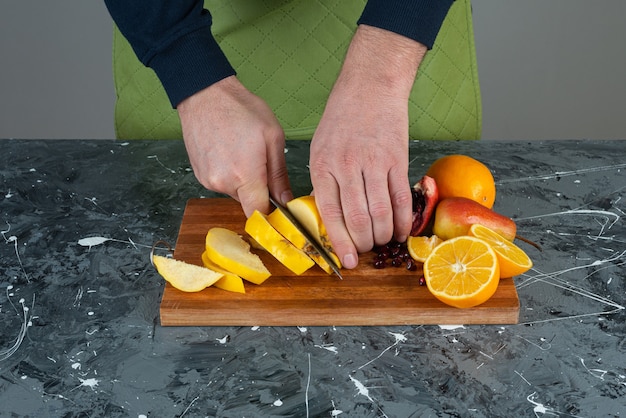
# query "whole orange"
(459, 175)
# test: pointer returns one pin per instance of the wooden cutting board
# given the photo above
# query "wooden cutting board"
(366, 296)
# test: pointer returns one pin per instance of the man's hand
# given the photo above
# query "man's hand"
(235, 144)
(359, 153)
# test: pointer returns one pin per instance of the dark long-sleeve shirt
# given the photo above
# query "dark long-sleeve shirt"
(174, 38)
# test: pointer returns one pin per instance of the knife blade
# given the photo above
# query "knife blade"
(311, 240)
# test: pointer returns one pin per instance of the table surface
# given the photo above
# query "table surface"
(79, 300)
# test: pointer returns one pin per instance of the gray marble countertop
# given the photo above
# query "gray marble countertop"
(79, 325)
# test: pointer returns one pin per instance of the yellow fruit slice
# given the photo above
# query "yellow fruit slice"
(288, 230)
(420, 247)
(184, 276)
(513, 260)
(230, 282)
(260, 229)
(230, 251)
(462, 272)
(304, 209)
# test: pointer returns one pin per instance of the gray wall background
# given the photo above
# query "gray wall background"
(548, 70)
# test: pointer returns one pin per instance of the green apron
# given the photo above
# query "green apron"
(290, 53)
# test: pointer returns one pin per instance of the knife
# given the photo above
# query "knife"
(311, 240)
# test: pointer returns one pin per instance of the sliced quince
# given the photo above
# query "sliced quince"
(230, 282)
(262, 231)
(288, 230)
(231, 252)
(184, 276)
(304, 209)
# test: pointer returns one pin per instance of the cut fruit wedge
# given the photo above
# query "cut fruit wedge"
(288, 230)
(262, 231)
(231, 252)
(304, 209)
(230, 282)
(420, 247)
(184, 276)
(513, 260)
(462, 272)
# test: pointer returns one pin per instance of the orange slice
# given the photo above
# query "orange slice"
(184, 276)
(420, 247)
(462, 272)
(513, 260)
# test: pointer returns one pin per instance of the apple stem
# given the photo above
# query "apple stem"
(527, 241)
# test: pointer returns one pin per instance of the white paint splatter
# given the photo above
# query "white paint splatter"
(26, 323)
(302, 329)
(451, 327)
(91, 382)
(278, 402)
(400, 338)
(223, 340)
(363, 391)
(255, 328)
(76, 366)
(92, 241)
(328, 347)
(335, 412)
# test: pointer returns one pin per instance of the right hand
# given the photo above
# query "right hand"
(235, 144)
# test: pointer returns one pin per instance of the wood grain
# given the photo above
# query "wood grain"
(366, 296)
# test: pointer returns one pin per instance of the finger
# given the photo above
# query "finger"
(401, 202)
(356, 211)
(327, 198)
(254, 195)
(278, 178)
(379, 206)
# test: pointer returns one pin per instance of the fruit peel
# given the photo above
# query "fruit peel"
(230, 251)
(287, 229)
(230, 282)
(259, 228)
(455, 215)
(184, 276)
(304, 209)
(425, 198)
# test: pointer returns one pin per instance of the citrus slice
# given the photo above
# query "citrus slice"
(420, 247)
(230, 282)
(462, 272)
(231, 252)
(259, 228)
(513, 260)
(184, 276)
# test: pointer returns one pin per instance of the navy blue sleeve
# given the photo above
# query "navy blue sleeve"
(419, 20)
(173, 37)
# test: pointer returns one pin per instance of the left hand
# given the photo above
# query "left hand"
(359, 153)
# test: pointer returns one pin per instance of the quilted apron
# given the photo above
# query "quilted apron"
(289, 52)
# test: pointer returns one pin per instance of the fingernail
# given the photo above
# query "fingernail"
(349, 261)
(402, 238)
(286, 196)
